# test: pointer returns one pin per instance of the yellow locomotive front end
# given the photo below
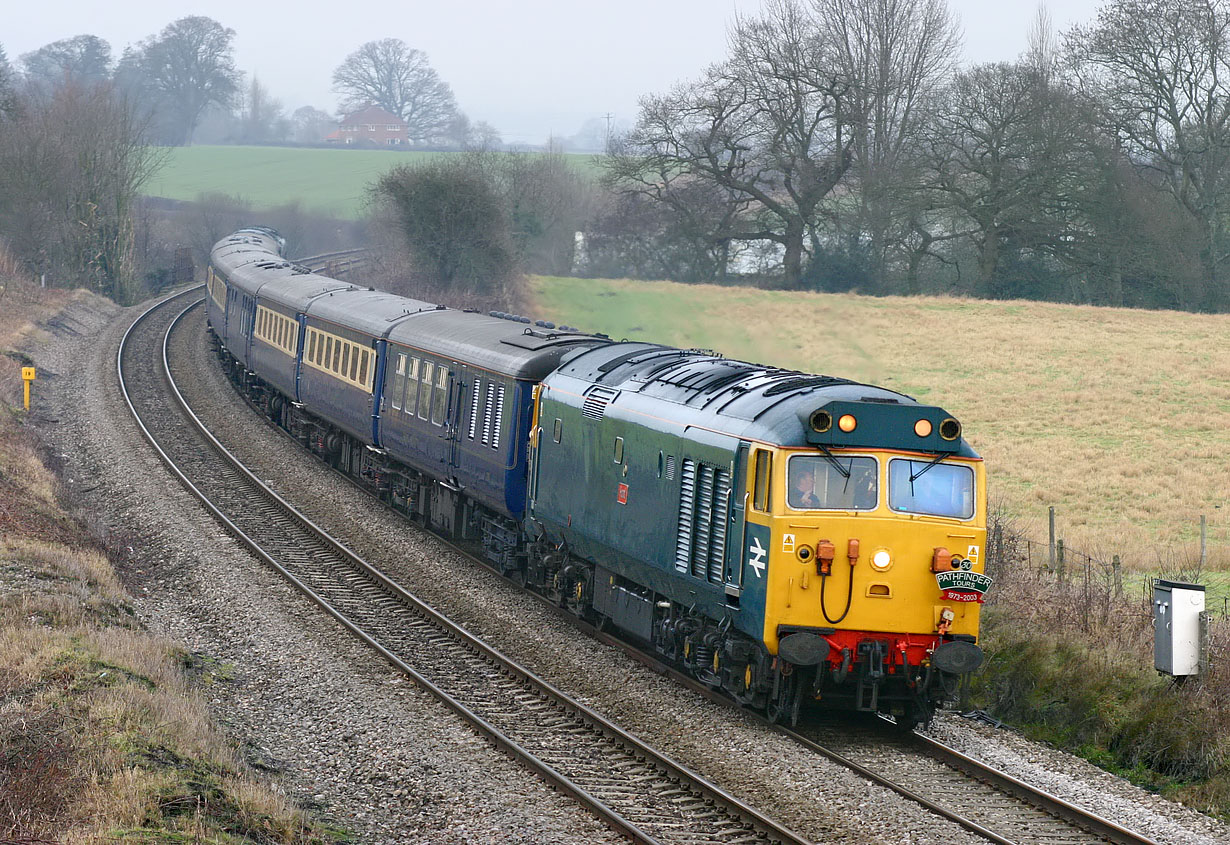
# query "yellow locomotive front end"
(874, 563)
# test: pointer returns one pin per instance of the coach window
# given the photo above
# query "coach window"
(412, 386)
(397, 384)
(763, 471)
(619, 450)
(439, 405)
(429, 370)
(558, 434)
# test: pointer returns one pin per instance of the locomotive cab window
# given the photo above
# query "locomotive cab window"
(763, 470)
(932, 489)
(844, 483)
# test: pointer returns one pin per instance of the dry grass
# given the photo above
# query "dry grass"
(102, 736)
(1114, 416)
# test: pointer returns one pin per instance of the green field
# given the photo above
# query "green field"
(329, 181)
(1116, 417)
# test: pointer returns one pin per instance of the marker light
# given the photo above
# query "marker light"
(881, 560)
(821, 421)
(923, 428)
(847, 423)
(950, 429)
(941, 559)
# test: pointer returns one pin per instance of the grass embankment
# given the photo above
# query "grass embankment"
(1113, 416)
(325, 181)
(103, 736)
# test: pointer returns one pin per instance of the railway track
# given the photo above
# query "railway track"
(630, 786)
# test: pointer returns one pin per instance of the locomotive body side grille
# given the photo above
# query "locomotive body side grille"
(596, 400)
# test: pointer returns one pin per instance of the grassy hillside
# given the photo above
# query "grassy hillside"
(1114, 416)
(330, 181)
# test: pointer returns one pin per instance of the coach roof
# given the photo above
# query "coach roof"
(503, 346)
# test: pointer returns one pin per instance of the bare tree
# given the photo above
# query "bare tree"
(987, 162)
(769, 128)
(894, 55)
(83, 59)
(70, 174)
(399, 79)
(261, 117)
(1161, 72)
(181, 71)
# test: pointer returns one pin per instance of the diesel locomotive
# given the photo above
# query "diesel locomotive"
(787, 538)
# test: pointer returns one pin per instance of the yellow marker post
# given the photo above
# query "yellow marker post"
(27, 376)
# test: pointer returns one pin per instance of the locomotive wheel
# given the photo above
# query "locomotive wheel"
(785, 705)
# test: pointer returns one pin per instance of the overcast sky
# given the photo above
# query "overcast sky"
(532, 68)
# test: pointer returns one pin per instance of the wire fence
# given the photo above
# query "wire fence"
(1094, 580)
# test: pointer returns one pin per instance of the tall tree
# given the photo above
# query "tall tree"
(181, 71)
(894, 54)
(814, 95)
(769, 128)
(1161, 72)
(310, 125)
(261, 117)
(399, 79)
(70, 175)
(988, 163)
(8, 91)
(83, 59)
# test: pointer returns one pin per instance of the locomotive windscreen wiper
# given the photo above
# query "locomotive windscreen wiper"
(918, 474)
(832, 460)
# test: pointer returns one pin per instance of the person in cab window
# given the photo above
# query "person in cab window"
(803, 488)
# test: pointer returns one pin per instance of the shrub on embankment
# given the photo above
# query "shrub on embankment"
(103, 734)
(1070, 662)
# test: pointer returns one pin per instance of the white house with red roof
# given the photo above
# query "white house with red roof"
(370, 127)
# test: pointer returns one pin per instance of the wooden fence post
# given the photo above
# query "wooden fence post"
(1114, 565)
(1051, 545)
(1059, 567)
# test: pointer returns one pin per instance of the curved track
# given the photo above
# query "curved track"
(632, 787)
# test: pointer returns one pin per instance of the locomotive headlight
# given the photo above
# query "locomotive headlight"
(923, 428)
(881, 560)
(847, 423)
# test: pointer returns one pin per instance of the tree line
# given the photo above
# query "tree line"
(840, 146)
(186, 87)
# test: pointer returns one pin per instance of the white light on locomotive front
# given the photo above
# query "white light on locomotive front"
(882, 559)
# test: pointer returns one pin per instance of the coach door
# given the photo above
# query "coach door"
(457, 379)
